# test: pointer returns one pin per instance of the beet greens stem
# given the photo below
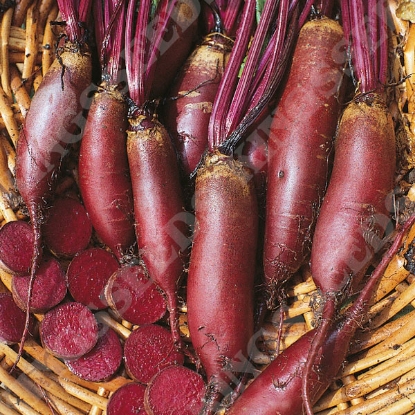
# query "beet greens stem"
(224, 95)
(366, 32)
(239, 103)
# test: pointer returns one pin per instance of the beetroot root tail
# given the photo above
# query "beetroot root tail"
(328, 314)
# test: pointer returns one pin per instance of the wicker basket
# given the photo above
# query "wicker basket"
(379, 374)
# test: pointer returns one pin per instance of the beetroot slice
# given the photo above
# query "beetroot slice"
(16, 247)
(175, 390)
(68, 228)
(69, 330)
(49, 287)
(134, 297)
(127, 400)
(102, 361)
(148, 350)
(12, 320)
(87, 275)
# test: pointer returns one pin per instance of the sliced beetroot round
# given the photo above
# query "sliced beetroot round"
(87, 275)
(67, 229)
(148, 350)
(12, 320)
(69, 330)
(16, 247)
(134, 297)
(102, 361)
(175, 390)
(49, 287)
(127, 400)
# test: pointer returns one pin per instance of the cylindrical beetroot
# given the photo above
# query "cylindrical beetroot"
(162, 232)
(355, 213)
(187, 111)
(300, 150)
(104, 177)
(220, 287)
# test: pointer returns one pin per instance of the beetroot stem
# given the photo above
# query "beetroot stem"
(230, 15)
(216, 132)
(109, 35)
(143, 42)
(75, 18)
(366, 32)
(238, 105)
(260, 76)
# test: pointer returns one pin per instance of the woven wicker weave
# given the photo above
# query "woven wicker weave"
(379, 374)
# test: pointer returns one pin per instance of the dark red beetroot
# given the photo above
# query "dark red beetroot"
(69, 330)
(127, 400)
(175, 390)
(220, 284)
(277, 389)
(87, 275)
(356, 211)
(148, 350)
(49, 288)
(16, 247)
(300, 149)
(134, 297)
(12, 321)
(104, 178)
(67, 229)
(102, 361)
(160, 218)
(187, 111)
(53, 122)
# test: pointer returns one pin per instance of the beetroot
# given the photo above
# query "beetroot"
(160, 218)
(187, 114)
(16, 242)
(69, 330)
(128, 399)
(12, 322)
(102, 361)
(87, 275)
(49, 288)
(176, 389)
(68, 228)
(104, 179)
(134, 297)
(149, 349)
